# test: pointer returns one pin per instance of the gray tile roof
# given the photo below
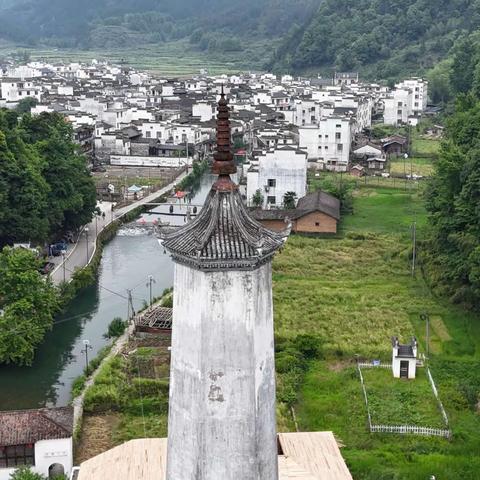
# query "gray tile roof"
(20, 427)
(223, 236)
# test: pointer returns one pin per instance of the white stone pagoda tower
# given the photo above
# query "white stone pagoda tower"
(222, 423)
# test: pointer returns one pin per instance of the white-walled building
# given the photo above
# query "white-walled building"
(328, 143)
(406, 103)
(398, 107)
(14, 90)
(404, 359)
(419, 89)
(277, 172)
(41, 439)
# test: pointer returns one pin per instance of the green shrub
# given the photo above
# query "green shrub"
(116, 328)
(96, 361)
(78, 386)
(24, 473)
(101, 398)
(149, 386)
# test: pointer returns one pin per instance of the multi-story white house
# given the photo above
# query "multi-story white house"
(277, 172)
(14, 90)
(398, 107)
(328, 143)
(419, 88)
(307, 112)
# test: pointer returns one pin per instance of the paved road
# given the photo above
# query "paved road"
(80, 254)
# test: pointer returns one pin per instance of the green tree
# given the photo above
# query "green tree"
(290, 200)
(24, 197)
(28, 303)
(116, 328)
(257, 199)
(453, 201)
(25, 473)
(26, 104)
(463, 66)
(72, 193)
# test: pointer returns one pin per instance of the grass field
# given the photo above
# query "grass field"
(425, 146)
(395, 401)
(356, 291)
(412, 166)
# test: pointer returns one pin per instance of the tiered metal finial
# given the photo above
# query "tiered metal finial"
(223, 164)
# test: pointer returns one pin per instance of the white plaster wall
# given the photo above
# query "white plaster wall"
(412, 367)
(222, 390)
(289, 170)
(138, 161)
(48, 452)
(321, 142)
(204, 110)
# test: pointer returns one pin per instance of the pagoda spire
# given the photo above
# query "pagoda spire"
(223, 164)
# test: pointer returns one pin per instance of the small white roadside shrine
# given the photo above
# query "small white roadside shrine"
(404, 359)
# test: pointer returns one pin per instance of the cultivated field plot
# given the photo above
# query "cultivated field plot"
(395, 401)
(173, 59)
(414, 166)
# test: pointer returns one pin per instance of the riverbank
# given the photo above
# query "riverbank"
(85, 251)
(128, 259)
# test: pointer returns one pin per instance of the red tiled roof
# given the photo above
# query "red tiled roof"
(20, 427)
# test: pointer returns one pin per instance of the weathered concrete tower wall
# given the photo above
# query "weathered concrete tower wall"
(222, 393)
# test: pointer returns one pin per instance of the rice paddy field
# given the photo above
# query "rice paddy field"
(171, 59)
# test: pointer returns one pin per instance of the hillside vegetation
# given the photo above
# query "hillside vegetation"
(124, 23)
(382, 38)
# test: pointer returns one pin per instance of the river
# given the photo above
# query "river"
(127, 261)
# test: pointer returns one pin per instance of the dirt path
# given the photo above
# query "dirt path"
(96, 436)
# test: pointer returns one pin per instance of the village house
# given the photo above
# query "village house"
(316, 213)
(41, 439)
(328, 143)
(275, 173)
(394, 146)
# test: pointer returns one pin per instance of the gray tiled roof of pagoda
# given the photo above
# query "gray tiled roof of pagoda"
(223, 236)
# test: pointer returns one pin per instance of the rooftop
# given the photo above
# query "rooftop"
(20, 427)
(304, 456)
(224, 235)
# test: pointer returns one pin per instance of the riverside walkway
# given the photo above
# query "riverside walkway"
(80, 254)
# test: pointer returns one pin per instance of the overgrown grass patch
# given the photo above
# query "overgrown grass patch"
(395, 401)
(414, 165)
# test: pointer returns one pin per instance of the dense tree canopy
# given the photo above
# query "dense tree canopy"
(46, 187)
(121, 23)
(28, 304)
(453, 200)
(383, 37)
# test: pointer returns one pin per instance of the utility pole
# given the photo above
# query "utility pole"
(414, 248)
(130, 309)
(151, 281)
(426, 318)
(86, 348)
(86, 235)
(64, 268)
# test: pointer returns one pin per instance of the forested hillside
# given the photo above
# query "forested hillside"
(382, 38)
(123, 23)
